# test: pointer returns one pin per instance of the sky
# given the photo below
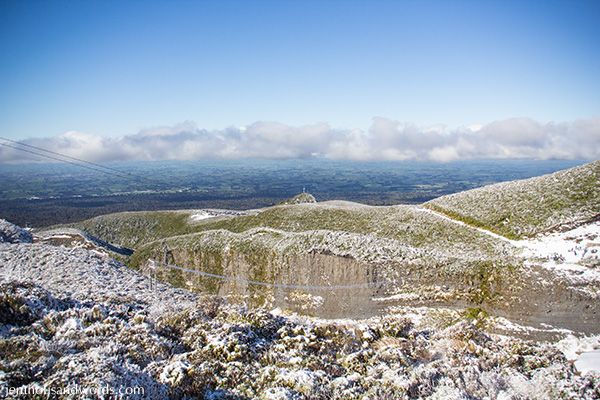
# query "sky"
(363, 72)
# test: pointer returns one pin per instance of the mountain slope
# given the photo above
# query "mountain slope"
(71, 237)
(11, 233)
(527, 207)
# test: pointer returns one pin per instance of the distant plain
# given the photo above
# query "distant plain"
(40, 195)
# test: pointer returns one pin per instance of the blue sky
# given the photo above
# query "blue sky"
(112, 68)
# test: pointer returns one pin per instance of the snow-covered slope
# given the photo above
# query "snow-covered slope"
(74, 317)
(83, 274)
(574, 253)
(11, 233)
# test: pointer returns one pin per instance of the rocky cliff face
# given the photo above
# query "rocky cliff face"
(335, 275)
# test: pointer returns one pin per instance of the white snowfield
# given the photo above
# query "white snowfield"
(583, 351)
(573, 254)
(589, 361)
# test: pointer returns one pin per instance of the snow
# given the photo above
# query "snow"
(59, 236)
(11, 233)
(570, 247)
(175, 372)
(572, 346)
(564, 252)
(585, 351)
(248, 353)
(399, 296)
(278, 393)
(84, 275)
(589, 361)
(278, 356)
(67, 329)
(71, 237)
(567, 252)
(201, 216)
(505, 324)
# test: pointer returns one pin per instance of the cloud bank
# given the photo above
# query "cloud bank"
(385, 140)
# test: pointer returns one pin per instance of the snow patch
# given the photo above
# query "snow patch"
(575, 252)
(589, 361)
(201, 216)
(569, 247)
(399, 296)
(573, 346)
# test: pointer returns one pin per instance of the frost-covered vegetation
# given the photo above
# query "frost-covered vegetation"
(406, 252)
(11, 233)
(71, 237)
(71, 316)
(524, 208)
(132, 229)
(407, 224)
(84, 274)
(397, 240)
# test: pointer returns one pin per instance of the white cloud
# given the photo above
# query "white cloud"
(385, 140)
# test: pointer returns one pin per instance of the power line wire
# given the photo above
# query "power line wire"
(65, 161)
(77, 159)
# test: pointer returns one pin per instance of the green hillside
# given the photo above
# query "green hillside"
(132, 229)
(407, 224)
(524, 208)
